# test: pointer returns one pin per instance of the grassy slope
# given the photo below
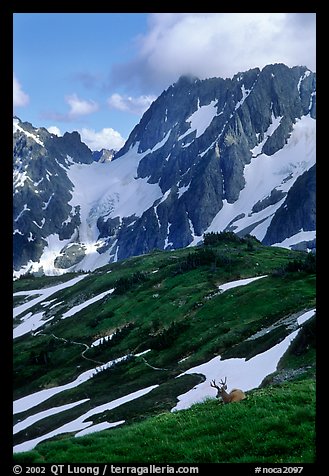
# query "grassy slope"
(275, 424)
(209, 324)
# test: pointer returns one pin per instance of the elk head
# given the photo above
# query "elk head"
(234, 395)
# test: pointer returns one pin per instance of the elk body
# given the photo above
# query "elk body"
(235, 394)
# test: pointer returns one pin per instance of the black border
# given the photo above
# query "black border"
(6, 41)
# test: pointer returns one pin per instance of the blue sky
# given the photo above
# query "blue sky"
(98, 72)
(63, 63)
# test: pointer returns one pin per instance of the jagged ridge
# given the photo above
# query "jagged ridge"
(208, 155)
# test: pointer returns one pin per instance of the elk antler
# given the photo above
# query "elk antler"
(213, 384)
(223, 383)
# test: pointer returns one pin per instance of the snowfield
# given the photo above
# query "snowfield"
(31, 322)
(109, 190)
(201, 119)
(240, 373)
(44, 293)
(80, 423)
(264, 173)
(112, 190)
(87, 303)
(34, 399)
(239, 282)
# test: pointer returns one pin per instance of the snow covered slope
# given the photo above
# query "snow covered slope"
(265, 174)
(219, 154)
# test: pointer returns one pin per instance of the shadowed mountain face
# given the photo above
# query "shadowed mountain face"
(218, 154)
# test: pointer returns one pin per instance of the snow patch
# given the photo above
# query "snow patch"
(239, 282)
(306, 316)
(265, 173)
(32, 323)
(34, 399)
(50, 253)
(201, 119)
(45, 205)
(110, 190)
(17, 127)
(297, 238)
(183, 189)
(25, 209)
(44, 414)
(105, 425)
(19, 179)
(102, 340)
(87, 303)
(245, 94)
(158, 145)
(275, 122)
(80, 423)
(42, 223)
(301, 79)
(240, 373)
(43, 293)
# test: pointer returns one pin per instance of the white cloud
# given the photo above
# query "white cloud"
(20, 98)
(55, 130)
(106, 138)
(135, 105)
(80, 107)
(218, 44)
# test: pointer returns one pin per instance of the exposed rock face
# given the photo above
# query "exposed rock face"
(298, 211)
(42, 188)
(210, 165)
(70, 256)
(103, 155)
(206, 156)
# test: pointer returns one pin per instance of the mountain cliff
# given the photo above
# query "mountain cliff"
(218, 154)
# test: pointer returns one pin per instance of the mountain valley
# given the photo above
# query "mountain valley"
(141, 275)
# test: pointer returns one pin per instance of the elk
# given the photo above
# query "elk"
(235, 394)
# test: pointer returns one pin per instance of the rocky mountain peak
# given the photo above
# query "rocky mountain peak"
(207, 155)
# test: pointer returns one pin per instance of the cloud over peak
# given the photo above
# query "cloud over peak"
(55, 130)
(80, 107)
(77, 109)
(135, 105)
(20, 98)
(217, 44)
(106, 138)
